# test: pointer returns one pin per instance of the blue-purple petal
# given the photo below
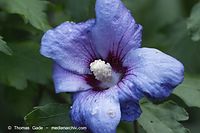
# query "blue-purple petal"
(127, 91)
(70, 46)
(66, 81)
(115, 31)
(152, 72)
(130, 110)
(129, 97)
(99, 111)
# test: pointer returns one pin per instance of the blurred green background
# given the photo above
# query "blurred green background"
(172, 26)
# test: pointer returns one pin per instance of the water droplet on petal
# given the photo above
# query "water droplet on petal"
(111, 113)
(70, 107)
(94, 111)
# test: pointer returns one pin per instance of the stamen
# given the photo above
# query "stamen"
(101, 70)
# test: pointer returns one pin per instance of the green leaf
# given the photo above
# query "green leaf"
(16, 103)
(31, 10)
(189, 91)
(125, 127)
(154, 14)
(48, 115)
(163, 118)
(4, 48)
(193, 23)
(80, 13)
(26, 64)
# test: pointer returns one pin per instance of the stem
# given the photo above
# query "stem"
(36, 100)
(135, 126)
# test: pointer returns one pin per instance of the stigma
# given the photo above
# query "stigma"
(101, 70)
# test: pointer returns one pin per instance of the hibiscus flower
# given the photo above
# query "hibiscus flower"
(102, 63)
